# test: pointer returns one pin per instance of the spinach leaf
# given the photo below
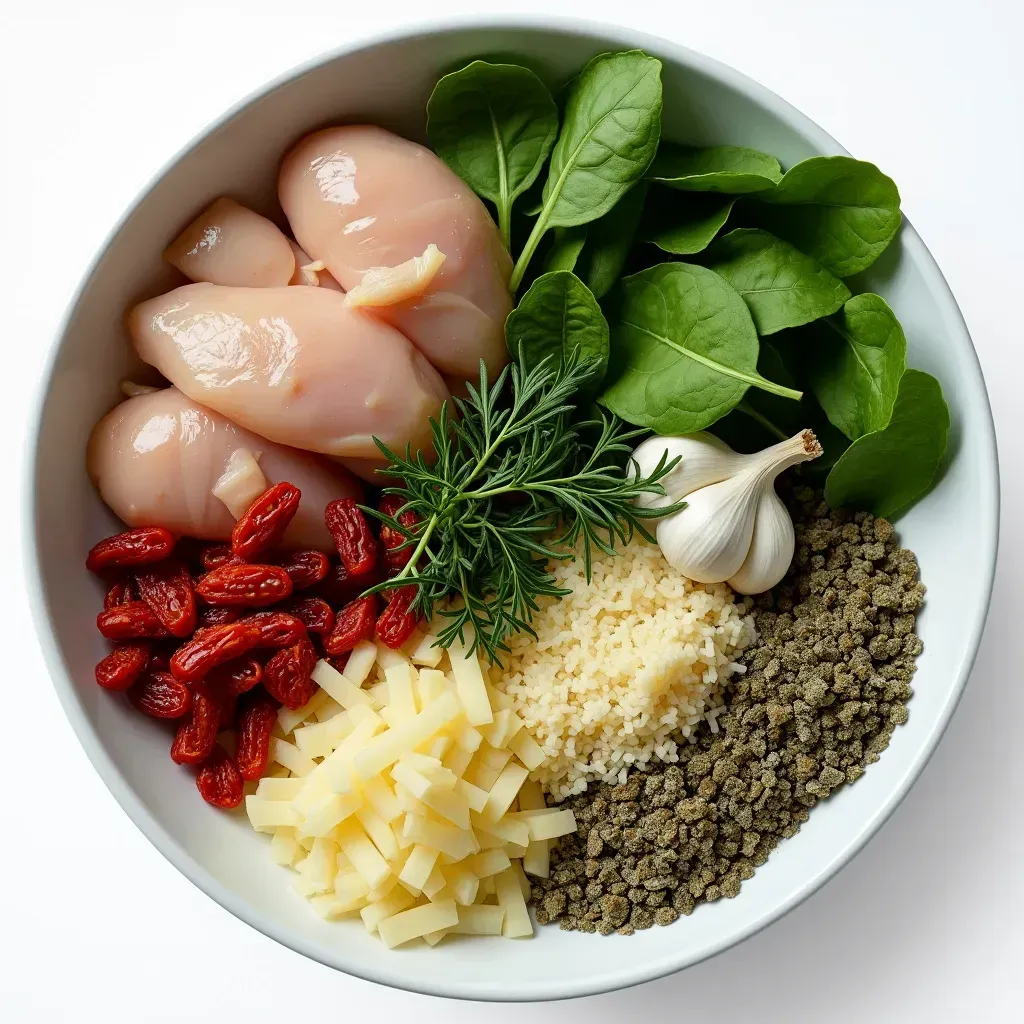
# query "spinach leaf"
(729, 169)
(565, 251)
(841, 211)
(556, 315)
(609, 240)
(854, 362)
(494, 125)
(684, 223)
(684, 350)
(609, 136)
(886, 470)
(781, 286)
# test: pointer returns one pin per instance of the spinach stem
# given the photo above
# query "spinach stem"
(757, 417)
(529, 249)
(777, 389)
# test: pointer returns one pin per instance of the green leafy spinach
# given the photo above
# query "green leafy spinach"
(729, 169)
(841, 211)
(684, 350)
(609, 136)
(781, 286)
(494, 125)
(884, 471)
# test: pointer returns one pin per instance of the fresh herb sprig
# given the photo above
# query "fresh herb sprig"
(514, 484)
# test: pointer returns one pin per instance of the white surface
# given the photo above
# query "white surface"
(925, 925)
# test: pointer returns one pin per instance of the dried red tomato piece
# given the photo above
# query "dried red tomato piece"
(196, 736)
(212, 646)
(255, 723)
(219, 782)
(236, 677)
(338, 587)
(167, 589)
(122, 666)
(352, 625)
(216, 556)
(132, 621)
(353, 538)
(263, 523)
(286, 677)
(314, 613)
(219, 616)
(304, 568)
(140, 546)
(398, 621)
(251, 586)
(277, 629)
(119, 593)
(159, 695)
(393, 539)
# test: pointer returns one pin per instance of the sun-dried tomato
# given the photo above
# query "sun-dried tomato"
(314, 613)
(286, 677)
(218, 781)
(133, 621)
(216, 556)
(212, 646)
(140, 546)
(277, 629)
(160, 695)
(263, 523)
(167, 589)
(255, 723)
(219, 616)
(246, 586)
(352, 625)
(393, 539)
(353, 538)
(338, 587)
(304, 568)
(197, 735)
(119, 593)
(236, 677)
(122, 666)
(398, 621)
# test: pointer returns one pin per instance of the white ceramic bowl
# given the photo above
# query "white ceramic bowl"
(387, 81)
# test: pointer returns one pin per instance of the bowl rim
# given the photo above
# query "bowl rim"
(59, 672)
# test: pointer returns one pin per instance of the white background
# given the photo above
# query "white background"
(927, 924)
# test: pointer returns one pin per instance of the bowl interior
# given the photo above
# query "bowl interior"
(953, 531)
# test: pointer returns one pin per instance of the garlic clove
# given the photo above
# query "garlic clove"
(771, 547)
(703, 460)
(708, 540)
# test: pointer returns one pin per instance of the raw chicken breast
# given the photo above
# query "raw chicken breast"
(359, 197)
(229, 244)
(294, 364)
(314, 278)
(156, 458)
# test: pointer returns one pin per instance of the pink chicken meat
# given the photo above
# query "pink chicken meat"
(156, 458)
(358, 197)
(294, 364)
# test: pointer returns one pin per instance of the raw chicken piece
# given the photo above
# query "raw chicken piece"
(230, 244)
(314, 278)
(156, 458)
(359, 197)
(293, 364)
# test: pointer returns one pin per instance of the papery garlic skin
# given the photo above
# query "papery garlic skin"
(736, 530)
(771, 547)
(708, 540)
(703, 460)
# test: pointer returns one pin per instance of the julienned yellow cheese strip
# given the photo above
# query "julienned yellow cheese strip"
(401, 804)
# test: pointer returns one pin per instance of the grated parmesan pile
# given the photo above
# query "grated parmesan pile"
(622, 667)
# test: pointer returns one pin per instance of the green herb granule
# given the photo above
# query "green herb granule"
(827, 681)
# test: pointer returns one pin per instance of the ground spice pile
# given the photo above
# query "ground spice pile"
(827, 681)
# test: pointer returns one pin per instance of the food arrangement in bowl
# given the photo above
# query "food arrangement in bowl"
(510, 527)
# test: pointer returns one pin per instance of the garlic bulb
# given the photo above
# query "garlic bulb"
(734, 527)
(703, 460)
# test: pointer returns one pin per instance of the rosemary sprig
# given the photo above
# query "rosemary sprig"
(514, 485)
